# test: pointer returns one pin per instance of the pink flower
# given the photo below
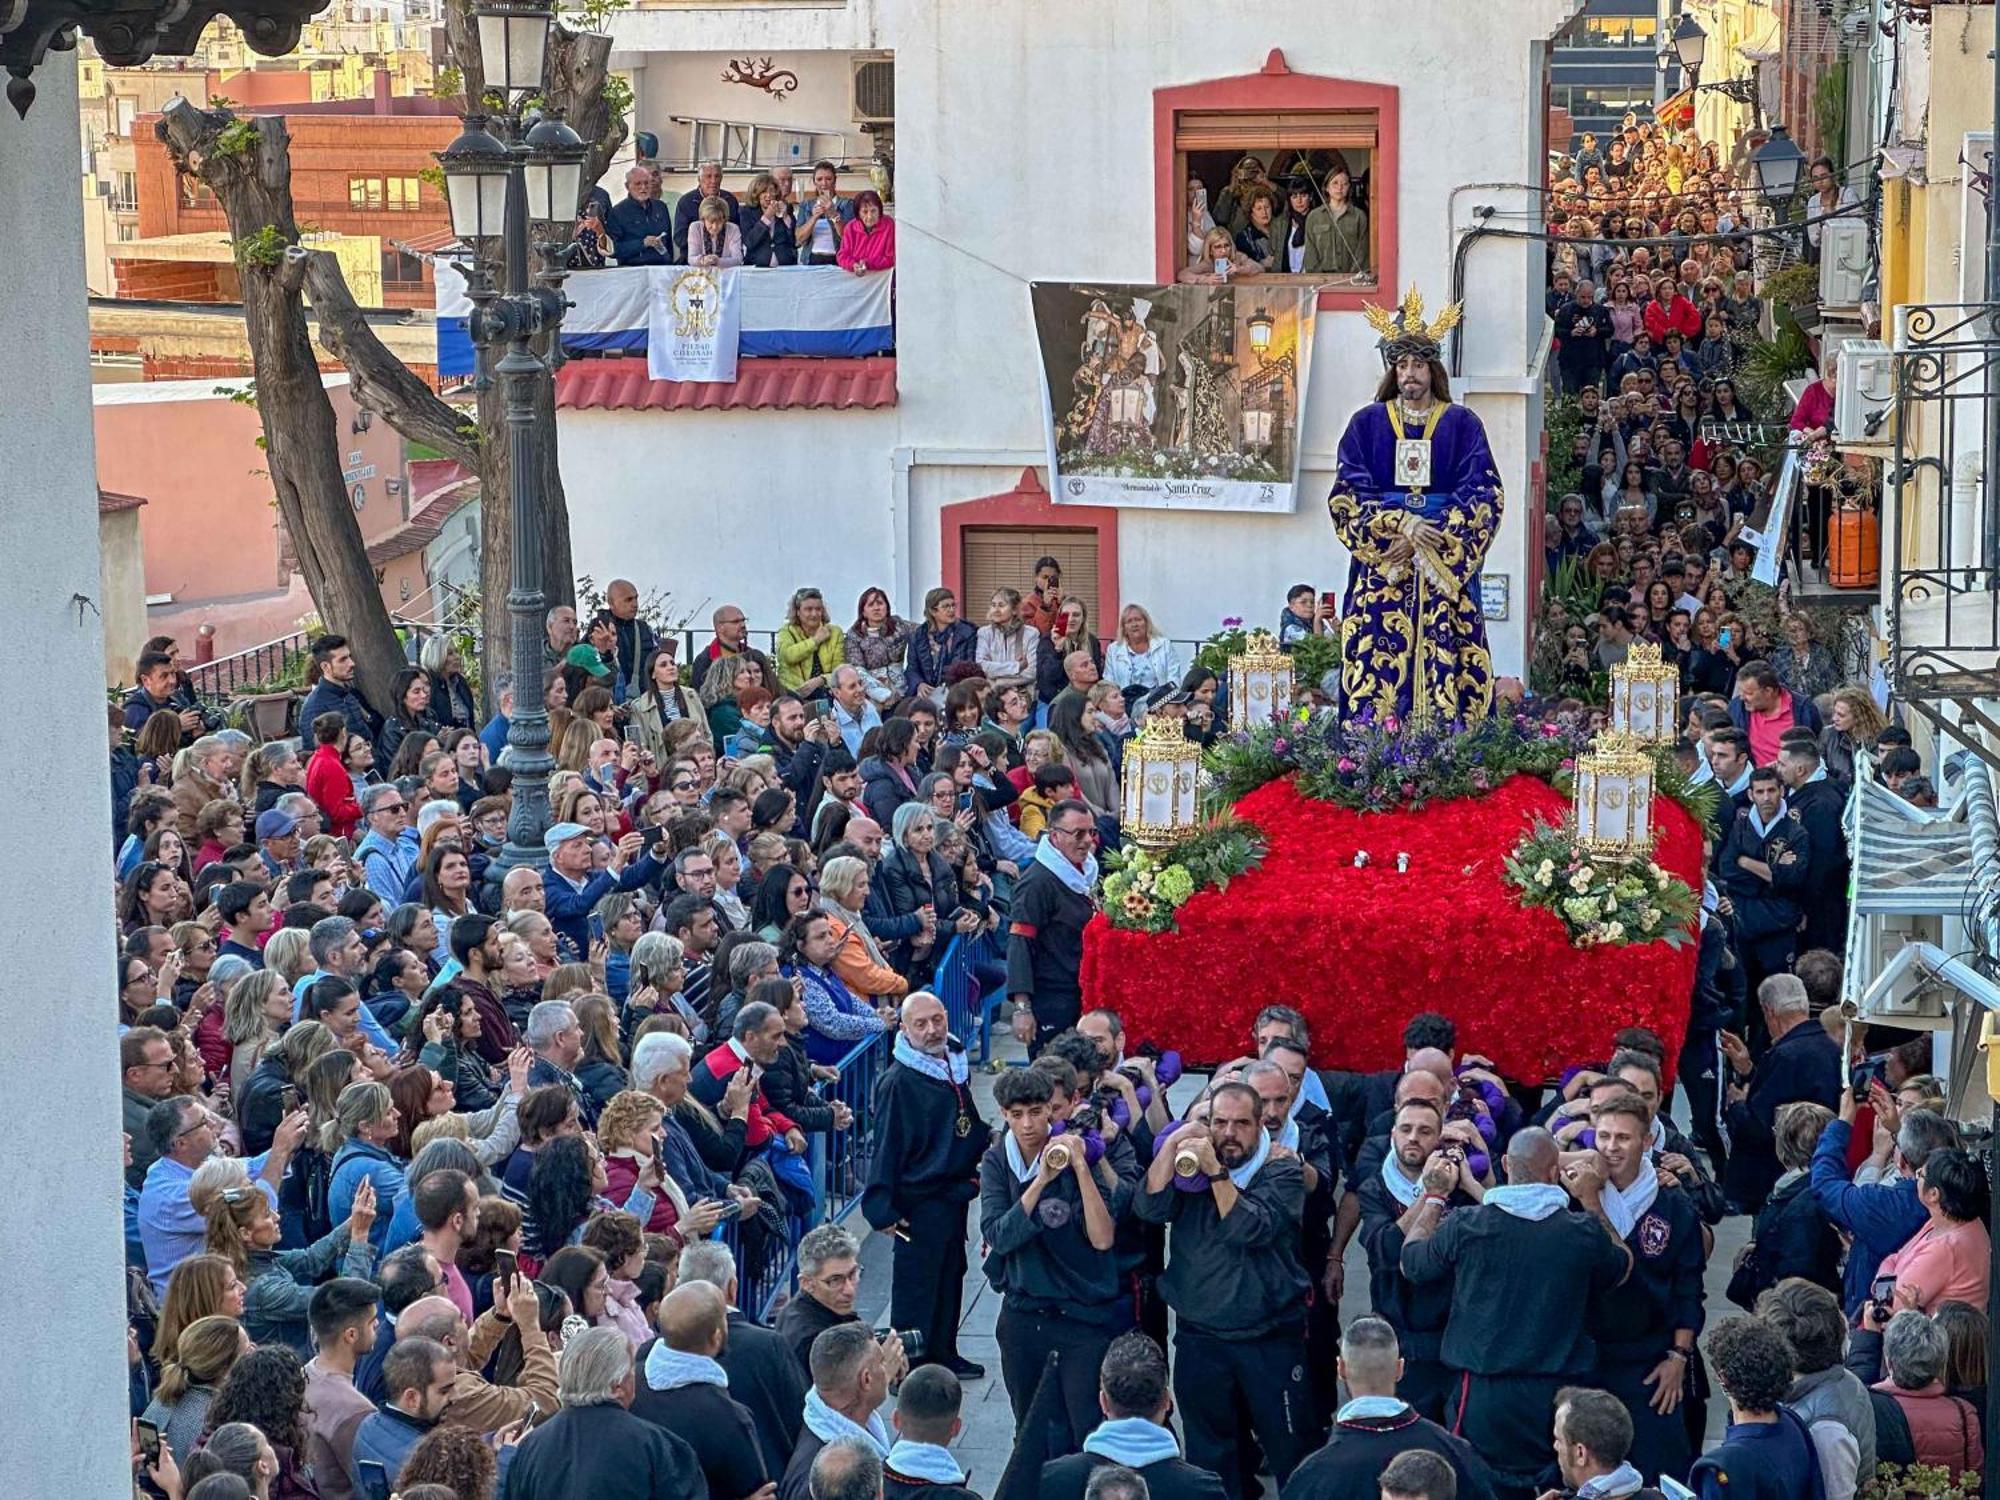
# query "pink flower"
(1550, 731)
(1570, 764)
(1345, 764)
(1279, 747)
(1390, 724)
(1409, 789)
(1230, 622)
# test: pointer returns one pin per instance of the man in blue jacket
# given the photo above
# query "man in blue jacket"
(571, 890)
(335, 692)
(1880, 1216)
(642, 227)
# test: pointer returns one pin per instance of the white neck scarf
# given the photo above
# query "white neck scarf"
(1289, 1136)
(1361, 1408)
(828, 1425)
(1083, 881)
(931, 1462)
(1243, 1175)
(1741, 784)
(1625, 1207)
(1764, 829)
(1024, 1171)
(670, 1369)
(1532, 1201)
(1403, 1189)
(951, 1068)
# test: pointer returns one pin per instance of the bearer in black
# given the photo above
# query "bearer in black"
(1047, 1216)
(1233, 1277)
(1524, 1272)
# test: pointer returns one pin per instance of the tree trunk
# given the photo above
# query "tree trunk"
(246, 163)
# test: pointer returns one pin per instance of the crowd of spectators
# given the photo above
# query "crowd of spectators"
(776, 222)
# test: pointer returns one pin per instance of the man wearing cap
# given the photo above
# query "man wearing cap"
(594, 653)
(278, 842)
(570, 890)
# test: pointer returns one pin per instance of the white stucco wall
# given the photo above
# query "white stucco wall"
(1025, 150)
(62, 1385)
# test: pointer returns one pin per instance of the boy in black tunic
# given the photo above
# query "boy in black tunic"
(1764, 867)
(1233, 1277)
(1646, 1327)
(1048, 1219)
(929, 1138)
(1523, 1272)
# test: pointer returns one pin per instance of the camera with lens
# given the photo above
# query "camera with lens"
(913, 1341)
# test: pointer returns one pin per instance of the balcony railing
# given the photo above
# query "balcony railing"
(1943, 526)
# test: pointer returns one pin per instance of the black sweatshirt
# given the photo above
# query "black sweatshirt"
(1515, 1308)
(1417, 1313)
(1234, 1277)
(929, 1138)
(1355, 1453)
(1044, 1261)
(1045, 946)
(710, 1421)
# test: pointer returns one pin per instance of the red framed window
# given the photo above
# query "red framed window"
(1296, 124)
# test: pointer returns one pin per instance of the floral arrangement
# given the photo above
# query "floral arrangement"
(1920, 1482)
(1143, 890)
(1600, 898)
(1373, 765)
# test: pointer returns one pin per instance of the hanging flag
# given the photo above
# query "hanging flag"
(692, 330)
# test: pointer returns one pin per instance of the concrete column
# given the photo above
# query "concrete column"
(62, 1301)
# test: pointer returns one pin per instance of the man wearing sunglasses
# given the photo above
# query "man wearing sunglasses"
(1052, 905)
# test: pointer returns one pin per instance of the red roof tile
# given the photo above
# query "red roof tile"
(760, 385)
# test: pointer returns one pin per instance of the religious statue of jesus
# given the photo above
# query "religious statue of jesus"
(1416, 503)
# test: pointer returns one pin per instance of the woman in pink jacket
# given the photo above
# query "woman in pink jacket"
(868, 243)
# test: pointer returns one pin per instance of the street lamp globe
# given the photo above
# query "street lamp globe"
(476, 167)
(513, 42)
(1690, 43)
(1777, 164)
(1260, 330)
(554, 171)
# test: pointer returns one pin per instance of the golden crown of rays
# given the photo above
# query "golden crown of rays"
(1406, 320)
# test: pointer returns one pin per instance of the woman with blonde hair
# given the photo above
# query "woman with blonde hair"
(1141, 657)
(578, 736)
(1852, 722)
(288, 952)
(1070, 631)
(539, 934)
(357, 1137)
(1218, 250)
(244, 1230)
(601, 1068)
(859, 959)
(809, 646)
(255, 1013)
(206, 1350)
(727, 900)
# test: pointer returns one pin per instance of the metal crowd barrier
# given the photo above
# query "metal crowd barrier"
(840, 1159)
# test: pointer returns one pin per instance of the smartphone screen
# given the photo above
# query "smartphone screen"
(630, 734)
(506, 1265)
(288, 1098)
(149, 1443)
(1883, 1289)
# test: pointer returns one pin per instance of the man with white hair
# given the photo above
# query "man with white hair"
(763, 1375)
(642, 234)
(853, 714)
(661, 1065)
(556, 1038)
(708, 184)
(1802, 1063)
(388, 851)
(595, 1448)
(929, 1139)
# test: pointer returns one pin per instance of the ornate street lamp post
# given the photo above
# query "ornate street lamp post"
(504, 174)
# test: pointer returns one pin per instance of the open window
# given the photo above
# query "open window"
(1225, 137)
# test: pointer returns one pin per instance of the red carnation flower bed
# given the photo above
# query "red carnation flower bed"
(1361, 950)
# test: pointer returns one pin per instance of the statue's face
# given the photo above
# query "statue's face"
(1413, 377)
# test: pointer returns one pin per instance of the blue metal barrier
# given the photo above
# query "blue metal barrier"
(840, 1159)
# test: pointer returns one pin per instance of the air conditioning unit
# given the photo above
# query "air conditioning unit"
(1843, 262)
(1861, 401)
(875, 90)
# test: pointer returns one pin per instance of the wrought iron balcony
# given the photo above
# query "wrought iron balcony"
(1942, 532)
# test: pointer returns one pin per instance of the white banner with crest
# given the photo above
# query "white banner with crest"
(692, 324)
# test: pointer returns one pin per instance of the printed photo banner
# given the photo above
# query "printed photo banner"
(1174, 397)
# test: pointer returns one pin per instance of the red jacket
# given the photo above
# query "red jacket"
(328, 784)
(1678, 315)
(1943, 1429)
(764, 1121)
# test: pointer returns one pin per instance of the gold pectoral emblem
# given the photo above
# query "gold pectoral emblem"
(697, 304)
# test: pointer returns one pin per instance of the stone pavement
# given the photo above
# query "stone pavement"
(988, 1438)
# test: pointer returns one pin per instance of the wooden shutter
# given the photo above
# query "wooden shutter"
(1275, 130)
(995, 557)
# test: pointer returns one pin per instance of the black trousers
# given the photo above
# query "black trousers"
(1267, 1376)
(1659, 1443)
(927, 1283)
(1700, 1075)
(1026, 1341)
(1426, 1385)
(1508, 1418)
